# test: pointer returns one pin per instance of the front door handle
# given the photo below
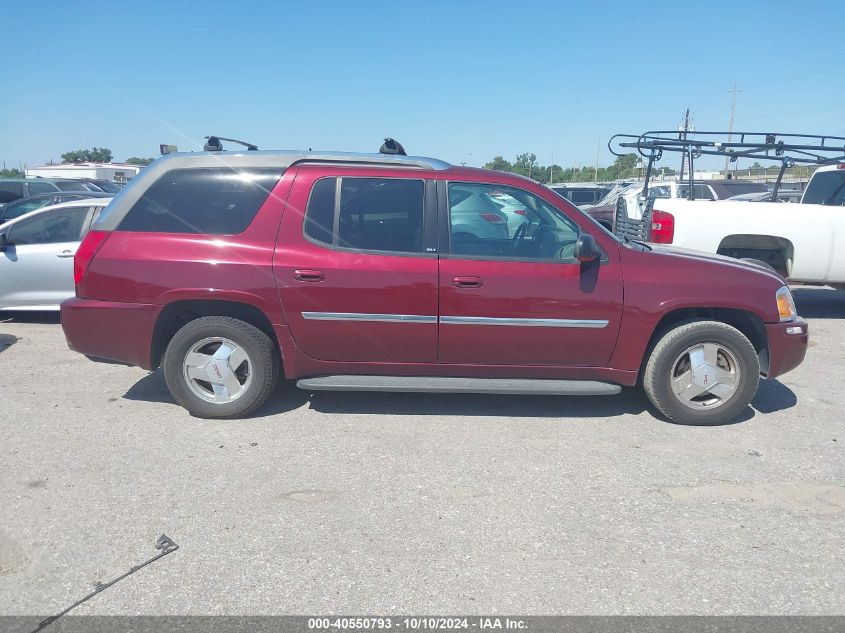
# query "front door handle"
(309, 275)
(65, 254)
(467, 282)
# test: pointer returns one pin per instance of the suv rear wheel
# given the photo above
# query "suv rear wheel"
(702, 373)
(220, 367)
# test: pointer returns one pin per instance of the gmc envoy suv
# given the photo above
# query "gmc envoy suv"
(346, 272)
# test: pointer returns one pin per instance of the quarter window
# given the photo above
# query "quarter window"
(372, 214)
(50, 227)
(211, 201)
(494, 221)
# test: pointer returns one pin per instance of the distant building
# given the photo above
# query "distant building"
(115, 172)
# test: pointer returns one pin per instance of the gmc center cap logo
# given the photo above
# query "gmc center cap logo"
(217, 370)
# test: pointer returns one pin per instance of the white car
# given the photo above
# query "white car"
(36, 254)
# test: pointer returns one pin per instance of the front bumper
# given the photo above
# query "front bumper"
(787, 346)
(121, 332)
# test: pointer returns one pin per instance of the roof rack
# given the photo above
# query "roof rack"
(213, 144)
(799, 148)
(787, 149)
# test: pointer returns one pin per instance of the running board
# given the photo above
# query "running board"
(442, 384)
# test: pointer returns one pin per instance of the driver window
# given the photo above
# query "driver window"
(495, 221)
(50, 227)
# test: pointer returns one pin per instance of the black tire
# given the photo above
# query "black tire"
(659, 370)
(262, 357)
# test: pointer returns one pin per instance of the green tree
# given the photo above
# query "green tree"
(499, 164)
(11, 173)
(93, 155)
(624, 166)
(134, 160)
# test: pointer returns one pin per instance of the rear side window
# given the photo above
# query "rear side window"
(826, 187)
(41, 187)
(372, 214)
(209, 201)
(10, 191)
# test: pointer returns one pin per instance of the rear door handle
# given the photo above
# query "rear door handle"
(467, 282)
(65, 254)
(309, 275)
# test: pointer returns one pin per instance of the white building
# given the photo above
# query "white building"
(115, 172)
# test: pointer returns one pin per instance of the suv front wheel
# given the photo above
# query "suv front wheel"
(220, 367)
(702, 373)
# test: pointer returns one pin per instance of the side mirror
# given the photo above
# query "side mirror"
(586, 249)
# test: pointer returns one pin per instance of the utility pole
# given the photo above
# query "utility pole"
(730, 126)
(552, 170)
(596, 172)
(683, 136)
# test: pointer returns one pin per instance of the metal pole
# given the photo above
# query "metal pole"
(730, 126)
(683, 136)
(596, 172)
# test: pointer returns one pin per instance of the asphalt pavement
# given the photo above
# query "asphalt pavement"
(404, 503)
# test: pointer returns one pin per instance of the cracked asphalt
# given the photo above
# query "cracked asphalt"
(400, 503)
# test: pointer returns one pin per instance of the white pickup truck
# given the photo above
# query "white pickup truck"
(804, 242)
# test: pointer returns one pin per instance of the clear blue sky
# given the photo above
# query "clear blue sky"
(462, 81)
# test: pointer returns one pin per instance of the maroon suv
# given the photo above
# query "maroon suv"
(349, 272)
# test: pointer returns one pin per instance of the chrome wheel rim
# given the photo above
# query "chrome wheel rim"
(217, 370)
(705, 376)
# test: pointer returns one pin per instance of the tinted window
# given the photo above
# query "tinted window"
(71, 186)
(826, 187)
(10, 191)
(17, 209)
(107, 186)
(319, 218)
(702, 192)
(216, 201)
(374, 214)
(37, 187)
(582, 197)
(63, 225)
(507, 223)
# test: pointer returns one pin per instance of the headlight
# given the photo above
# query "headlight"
(786, 306)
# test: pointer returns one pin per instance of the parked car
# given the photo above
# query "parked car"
(76, 184)
(36, 254)
(12, 189)
(582, 193)
(346, 272)
(634, 202)
(25, 205)
(478, 215)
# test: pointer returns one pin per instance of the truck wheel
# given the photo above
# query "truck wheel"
(220, 367)
(702, 373)
(761, 263)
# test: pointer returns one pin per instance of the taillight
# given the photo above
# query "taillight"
(662, 227)
(521, 212)
(492, 218)
(85, 253)
(840, 166)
